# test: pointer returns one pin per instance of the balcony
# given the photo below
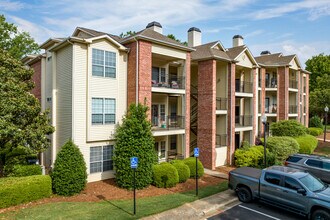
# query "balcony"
(221, 103)
(293, 109)
(168, 122)
(304, 89)
(243, 120)
(271, 109)
(259, 108)
(293, 84)
(221, 140)
(168, 81)
(243, 86)
(271, 83)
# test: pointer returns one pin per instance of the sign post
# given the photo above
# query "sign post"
(196, 155)
(134, 165)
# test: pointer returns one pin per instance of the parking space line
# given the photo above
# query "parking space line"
(269, 216)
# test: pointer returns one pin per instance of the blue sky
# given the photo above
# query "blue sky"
(299, 27)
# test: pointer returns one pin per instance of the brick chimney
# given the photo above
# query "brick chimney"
(194, 37)
(238, 41)
(156, 26)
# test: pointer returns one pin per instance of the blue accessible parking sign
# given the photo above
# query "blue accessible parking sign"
(196, 152)
(134, 162)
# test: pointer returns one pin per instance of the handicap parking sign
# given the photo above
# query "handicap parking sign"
(196, 152)
(134, 162)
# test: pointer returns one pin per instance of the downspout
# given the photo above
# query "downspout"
(136, 73)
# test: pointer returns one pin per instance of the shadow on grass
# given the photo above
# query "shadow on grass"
(113, 204)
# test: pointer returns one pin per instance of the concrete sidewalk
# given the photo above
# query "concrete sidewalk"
(199, 209)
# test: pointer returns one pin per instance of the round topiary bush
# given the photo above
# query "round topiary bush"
(282, 147)
(290, 128)
(307, 144)
(249, 156)
(315, 131)
(191, 163)
(183, 170)
(69, 173)
(165, 175)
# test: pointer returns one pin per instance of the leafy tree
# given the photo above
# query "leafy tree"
(320, 97)
(22, 124)
(134, 139)
(319, 66)
(15, 42)
(176, 39)
(127, 34)
(69, 175)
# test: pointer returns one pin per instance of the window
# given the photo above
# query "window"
(101, 158)
(103, 111)
(293, 159)
(103, 63)
(314, 163)
(158, 74)
(326, 165)
(273, 178)
(291, 184)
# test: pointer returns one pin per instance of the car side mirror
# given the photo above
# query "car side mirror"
(301, 191)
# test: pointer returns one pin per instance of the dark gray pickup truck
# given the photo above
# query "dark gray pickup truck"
(284, 187)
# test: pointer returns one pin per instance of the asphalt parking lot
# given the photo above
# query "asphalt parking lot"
(255, 211)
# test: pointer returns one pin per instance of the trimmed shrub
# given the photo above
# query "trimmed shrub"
(191, 163)
(316, 122)
(183, 170)
(17, 190)
(307, 144)
(165, 175)
(290, 128)
(134, 139)
(315, 131)
(282, 147)
(249, 156)
(69, 174)
(25, 170)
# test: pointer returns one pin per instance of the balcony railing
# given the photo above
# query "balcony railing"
(243, 120)
(259, 108)
(293, 109)
(243, 86)
(304, 88)
(271, 83)
(293, 84)
(221, 103)
(168, 122)
(169, 81)
(259, 83)
(271, 109)
(221, 140)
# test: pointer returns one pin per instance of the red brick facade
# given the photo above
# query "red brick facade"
(187, 107)
(262, 96)
(206, 112)
(144, 73)
(36, 91)
(307, 101)
(231, 114)
(254, 106)
(283, 93)
(299, 97)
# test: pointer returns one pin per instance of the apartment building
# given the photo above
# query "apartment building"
(200, 95)
(89, 79)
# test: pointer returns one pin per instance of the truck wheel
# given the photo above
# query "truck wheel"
(244, 194)
(320, 214)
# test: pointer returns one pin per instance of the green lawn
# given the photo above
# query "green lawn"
(114, 209)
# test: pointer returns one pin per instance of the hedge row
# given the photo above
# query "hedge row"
(307, 144)
(169, 174)
(17, 190)
(25, 170)
(315, 131)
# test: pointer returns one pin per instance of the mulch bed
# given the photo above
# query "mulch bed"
(107, 190)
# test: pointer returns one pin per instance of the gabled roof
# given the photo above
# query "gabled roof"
(153, 36)
(276, 59)
(94, 33)
(235, 52)
(50, 42)
(207, 51)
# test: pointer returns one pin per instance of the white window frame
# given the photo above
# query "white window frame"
(104, 63)
(101, 160)
(104, 113)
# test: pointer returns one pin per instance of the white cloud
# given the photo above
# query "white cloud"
(316, 8)
(253, 33)
(6, 5)
(230, 28)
